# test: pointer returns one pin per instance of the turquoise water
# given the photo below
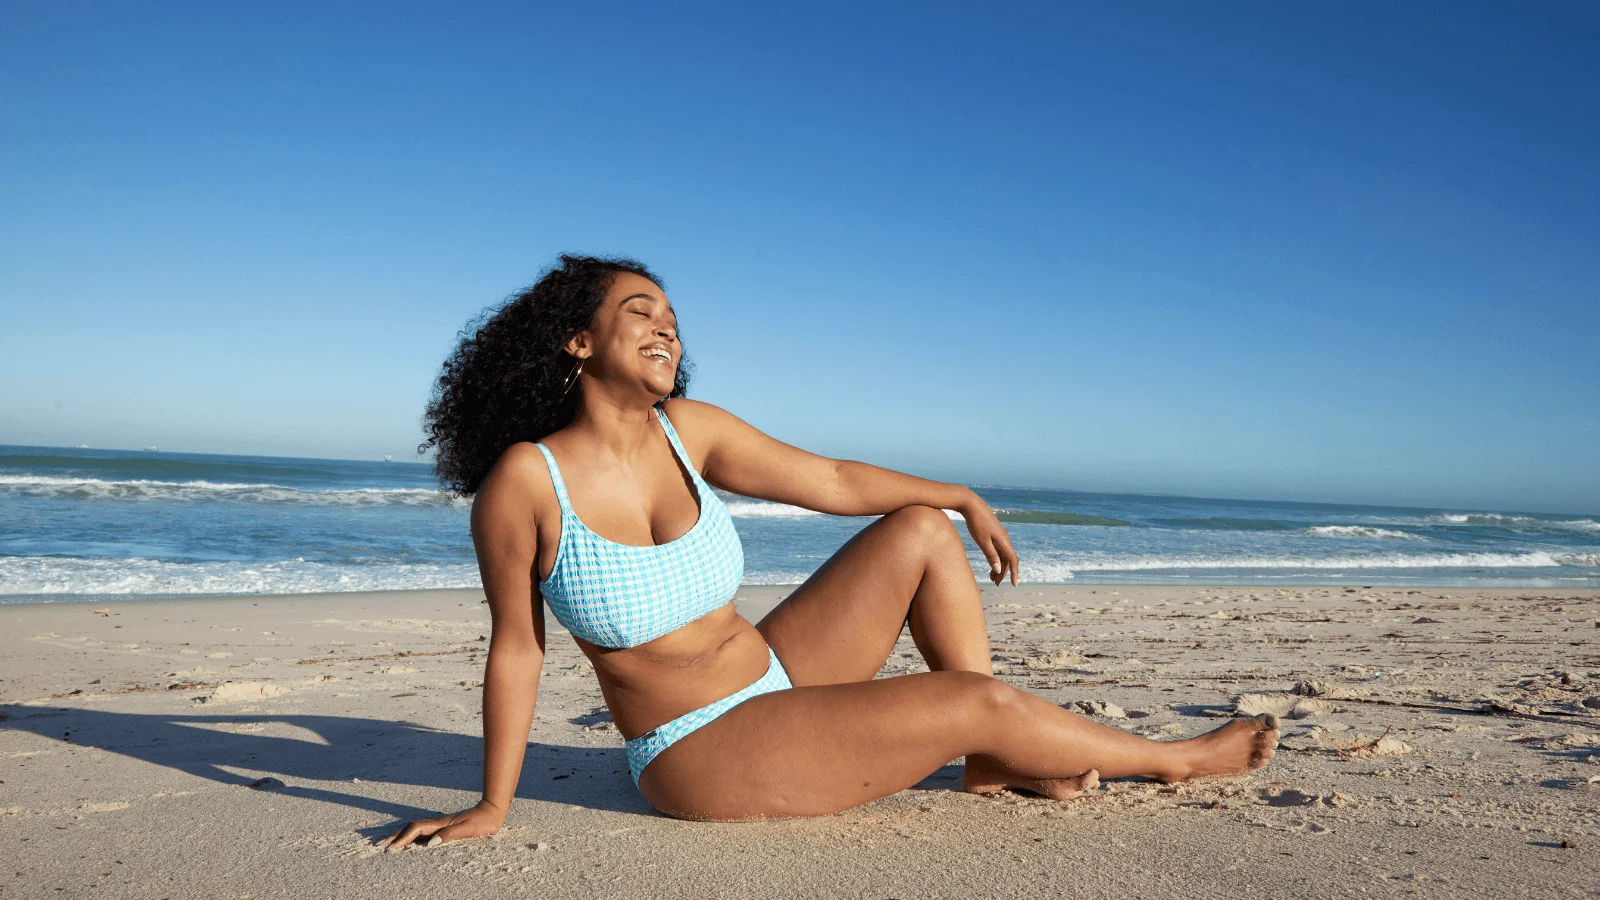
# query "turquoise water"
(95, 524)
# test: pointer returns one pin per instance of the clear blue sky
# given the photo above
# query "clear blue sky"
(1299, 251)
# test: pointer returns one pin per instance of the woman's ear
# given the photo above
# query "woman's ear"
(578, 347)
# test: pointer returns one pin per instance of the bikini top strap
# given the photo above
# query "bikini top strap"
(677, 445)
(555, 479)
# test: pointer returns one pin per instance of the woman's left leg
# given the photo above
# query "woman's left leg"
(909, 567)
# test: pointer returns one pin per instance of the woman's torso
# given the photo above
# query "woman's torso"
(630, 527)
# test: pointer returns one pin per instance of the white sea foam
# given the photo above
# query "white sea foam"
(775, 576)
(762, 509)
(48, 576)
(192, 491)
(1067, 566)
(1505, 520)
(1362, 531)
(744, 508)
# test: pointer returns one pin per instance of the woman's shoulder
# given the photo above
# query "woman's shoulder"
(697, 414)
(518, 480)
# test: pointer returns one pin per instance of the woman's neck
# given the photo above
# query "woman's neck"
(613, 426)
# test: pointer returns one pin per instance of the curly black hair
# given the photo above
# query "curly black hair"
(505, 382)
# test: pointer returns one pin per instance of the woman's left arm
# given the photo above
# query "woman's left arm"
(740, 458)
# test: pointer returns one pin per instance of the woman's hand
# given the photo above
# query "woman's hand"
(483, 819)
(991, 538)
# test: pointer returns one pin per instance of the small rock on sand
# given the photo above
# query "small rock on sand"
(1311, 688)
(1057, 660)
(1102, 709)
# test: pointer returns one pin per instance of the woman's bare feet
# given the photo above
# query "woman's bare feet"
(984, 776)
(1239, 746)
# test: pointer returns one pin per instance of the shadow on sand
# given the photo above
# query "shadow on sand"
(335, 749)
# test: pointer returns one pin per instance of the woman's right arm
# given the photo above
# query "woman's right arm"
(506, 539)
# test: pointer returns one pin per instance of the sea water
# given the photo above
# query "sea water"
(82, 524)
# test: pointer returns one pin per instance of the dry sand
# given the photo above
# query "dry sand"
(1437, 742)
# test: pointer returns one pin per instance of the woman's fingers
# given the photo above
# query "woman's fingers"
(404, 837)
(1011, 561)
(996, 566)
(986, 545)
(1002, 560)
(433, 832)
(414, 830)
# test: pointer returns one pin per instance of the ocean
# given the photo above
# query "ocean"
(83, 524)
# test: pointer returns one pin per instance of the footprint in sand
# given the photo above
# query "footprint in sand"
(115, 806)
(245, 690)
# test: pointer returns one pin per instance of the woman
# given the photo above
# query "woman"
(564, 415)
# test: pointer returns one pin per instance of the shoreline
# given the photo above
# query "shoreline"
(261, 744)
(1534, 585)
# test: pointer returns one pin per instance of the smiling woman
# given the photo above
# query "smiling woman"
(512, 379)
(593, 476)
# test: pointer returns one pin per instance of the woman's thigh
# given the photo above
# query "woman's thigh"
(818, 750)
(842, 623)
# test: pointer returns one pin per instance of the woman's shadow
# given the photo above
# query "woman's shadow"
(334, 749)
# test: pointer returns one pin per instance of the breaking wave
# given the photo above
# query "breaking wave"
(745, 508)
(1363, 531)
(1067, 567)
(762, 509)
(201, 491)
(1512, 521)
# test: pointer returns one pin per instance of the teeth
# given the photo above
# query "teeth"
(660, 354)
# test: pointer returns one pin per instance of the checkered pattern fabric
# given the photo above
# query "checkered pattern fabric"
(619, 595)
(645, 747)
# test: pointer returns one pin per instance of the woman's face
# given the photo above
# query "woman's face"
(634, 338)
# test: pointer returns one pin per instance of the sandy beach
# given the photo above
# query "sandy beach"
(1437, 742)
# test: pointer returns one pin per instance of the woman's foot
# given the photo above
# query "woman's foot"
(1239, 746)
(985, 776)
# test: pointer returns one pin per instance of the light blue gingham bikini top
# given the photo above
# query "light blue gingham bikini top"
(621, 595)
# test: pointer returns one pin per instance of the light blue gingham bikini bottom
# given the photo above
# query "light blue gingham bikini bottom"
(647, 746)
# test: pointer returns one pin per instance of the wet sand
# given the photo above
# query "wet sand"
(1437, 742)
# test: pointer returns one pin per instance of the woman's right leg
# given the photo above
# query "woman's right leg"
(818, 750)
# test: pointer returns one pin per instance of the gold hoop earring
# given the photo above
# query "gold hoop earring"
(566, 387)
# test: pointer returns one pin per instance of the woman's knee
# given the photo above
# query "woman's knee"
(986, 697)
(928, 527)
